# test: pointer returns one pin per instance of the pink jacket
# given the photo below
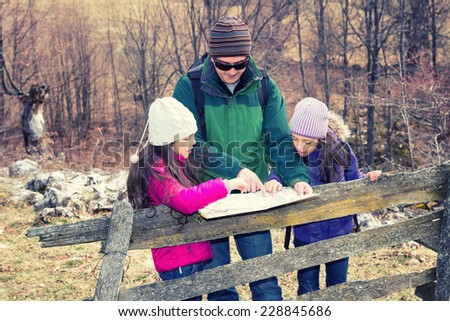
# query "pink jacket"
(170, 192)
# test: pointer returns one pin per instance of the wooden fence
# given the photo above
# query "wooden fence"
(159, 226)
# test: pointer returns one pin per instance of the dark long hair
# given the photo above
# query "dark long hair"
(188, 173)
(335, 157)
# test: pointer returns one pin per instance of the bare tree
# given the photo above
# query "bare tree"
(82, 56)
(188, 43)
(416, 32)
(322, 52)
(118, 117)
(300, 51)
(345, 59)
(214, 10)
(374, 36)
(406, 117)
(439, 12)
(432, 8)
(372, 41)
(136, 52)
(270, 30)
(33, 122)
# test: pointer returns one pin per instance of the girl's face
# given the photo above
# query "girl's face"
(304, 145)
(184, 146)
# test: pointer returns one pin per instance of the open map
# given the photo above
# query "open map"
(251, 202)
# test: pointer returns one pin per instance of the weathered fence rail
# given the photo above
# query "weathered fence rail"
(161, 226)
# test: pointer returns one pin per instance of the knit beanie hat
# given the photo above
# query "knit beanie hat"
(168, 121)
(229, 37)
(310, 118)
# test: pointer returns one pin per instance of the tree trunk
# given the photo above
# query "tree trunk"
(300, 52)
(434, 36)
(178, 53)
(373, 48)
(33, 35)
(417, 34)
(347, 75)
(117, 107)
(322, 51)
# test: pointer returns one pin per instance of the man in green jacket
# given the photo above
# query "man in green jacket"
(242, 138)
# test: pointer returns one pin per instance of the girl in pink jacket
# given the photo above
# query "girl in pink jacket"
(163, 172)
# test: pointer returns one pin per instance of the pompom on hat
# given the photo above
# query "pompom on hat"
(168, 121)
(229, 37)
(310, 118)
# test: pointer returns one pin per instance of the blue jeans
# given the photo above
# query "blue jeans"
(249, 246)
(182, 272)
(308, 279)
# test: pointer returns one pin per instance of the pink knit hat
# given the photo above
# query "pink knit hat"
(310, 118)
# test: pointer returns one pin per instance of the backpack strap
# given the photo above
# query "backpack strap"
(195, 77)
(195, 74)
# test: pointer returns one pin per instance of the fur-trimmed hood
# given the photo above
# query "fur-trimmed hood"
(337, 125)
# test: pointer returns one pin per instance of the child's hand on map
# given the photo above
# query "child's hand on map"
(303, 188)
(373, 175)
(273, 186)
(240, 184)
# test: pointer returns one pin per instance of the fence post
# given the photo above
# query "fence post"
(116, 249)
(443, 259)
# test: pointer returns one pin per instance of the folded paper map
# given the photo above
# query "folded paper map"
(235, 204)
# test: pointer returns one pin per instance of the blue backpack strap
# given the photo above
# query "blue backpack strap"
(199, 96)
(195, 74)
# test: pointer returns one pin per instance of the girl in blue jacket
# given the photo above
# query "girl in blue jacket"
(320, 138)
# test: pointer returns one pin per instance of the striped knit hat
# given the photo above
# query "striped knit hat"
(310, 118)
(229, 37)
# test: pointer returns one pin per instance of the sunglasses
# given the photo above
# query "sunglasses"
(226, 66)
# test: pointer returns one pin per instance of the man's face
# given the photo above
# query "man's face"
(232, 75)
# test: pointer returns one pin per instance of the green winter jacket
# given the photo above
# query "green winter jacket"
(238, 134)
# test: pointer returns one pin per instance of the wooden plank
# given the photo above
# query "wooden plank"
(370, 289)
(83, 231)
(111, 272)
(443, 259)
(94, 230)
(336, 200)
(280, 263)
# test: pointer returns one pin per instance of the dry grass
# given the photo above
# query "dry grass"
(29, 272)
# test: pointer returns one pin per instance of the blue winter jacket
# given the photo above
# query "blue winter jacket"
(317, 231)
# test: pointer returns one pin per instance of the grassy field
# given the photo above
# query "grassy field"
(29, 272)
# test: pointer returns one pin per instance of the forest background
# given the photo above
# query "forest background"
(381, 64)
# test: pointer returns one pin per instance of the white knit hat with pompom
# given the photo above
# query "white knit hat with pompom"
(168, 121)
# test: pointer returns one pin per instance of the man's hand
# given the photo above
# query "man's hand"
(273, 186)
(303, 188)
(252, 180)
(239, 183)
